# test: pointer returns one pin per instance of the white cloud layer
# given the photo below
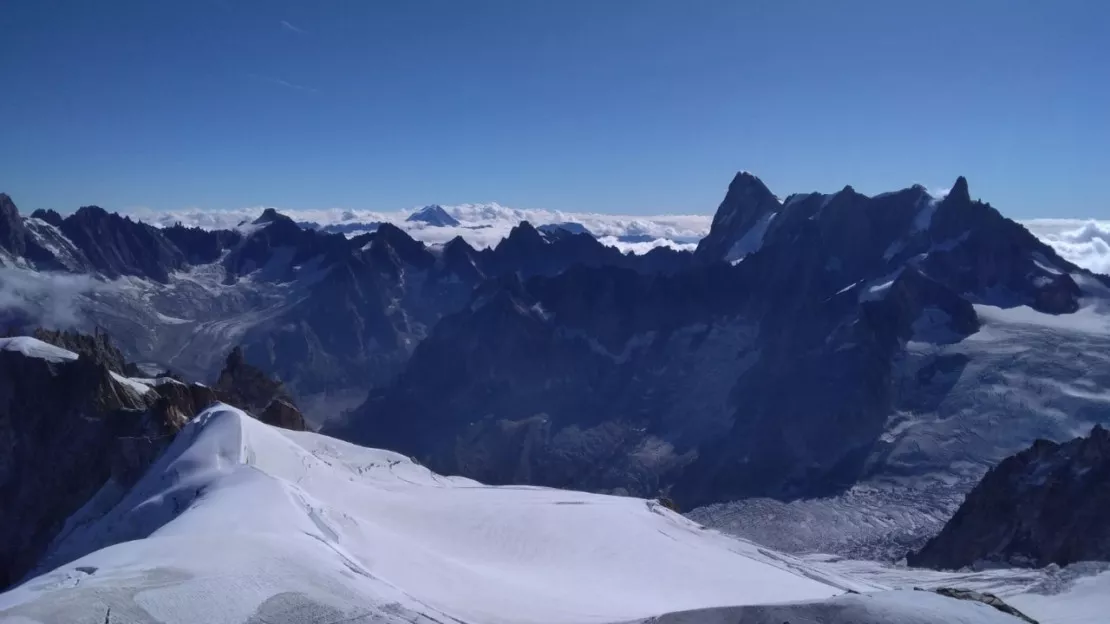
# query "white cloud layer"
(481, 225)
(49, 299)
(1084, 243)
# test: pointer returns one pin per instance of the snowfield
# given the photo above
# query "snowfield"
(1024, 375)
(35, 348)
(242, 522)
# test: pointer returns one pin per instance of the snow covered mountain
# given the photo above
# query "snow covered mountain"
(823, 346)
(434, 215)
(330, 315)
(240, 522)
(856, 351)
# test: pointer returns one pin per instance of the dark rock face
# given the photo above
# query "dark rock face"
(13, 234)
(249, 388)
(985, 598)
(71, 425)
(97, 347)
(1047, 504)
(116, 245)
(772, 374)
(48, 215)
(330, 316)
(748, 206)
(66, 428)
(23, 241)
(201, 246)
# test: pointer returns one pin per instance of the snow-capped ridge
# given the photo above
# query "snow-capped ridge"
(33, 347)
(433, 544)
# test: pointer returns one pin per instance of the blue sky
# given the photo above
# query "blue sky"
(612, 106)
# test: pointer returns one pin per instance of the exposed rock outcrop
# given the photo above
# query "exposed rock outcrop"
(1047, 504)
(778, 365)
(250, 389)
(72, 425)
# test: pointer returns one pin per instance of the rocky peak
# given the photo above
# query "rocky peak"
(201, 246)
(523, 234)
(278, 247)
(247, 387)
(959, 192)
(434, 215)
(271, 215)
(462, 260)
(8, 211)
(12, 231)
(1047, 504)
(407, 249)
(748, 205)
(98, 347)
(48, 215)
(116, 245)
(71, 423)
(68, 425)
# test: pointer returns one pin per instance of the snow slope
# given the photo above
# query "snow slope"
(1077, 594)
(33, 347)
(239, 519)
(1024, 375)
(240, 522)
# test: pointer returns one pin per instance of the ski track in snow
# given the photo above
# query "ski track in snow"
(349, 528)
(240, 522)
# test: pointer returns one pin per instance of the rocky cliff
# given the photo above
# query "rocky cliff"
(1047, 504)
(815, 343)
(331, 316)
(74, 429)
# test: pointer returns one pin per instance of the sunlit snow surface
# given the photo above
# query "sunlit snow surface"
(239, 520)
(32, 347)
(1024, 375)
(1077, 594)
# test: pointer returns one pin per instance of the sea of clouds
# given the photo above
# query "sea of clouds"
(1083, 242)
(481, 225)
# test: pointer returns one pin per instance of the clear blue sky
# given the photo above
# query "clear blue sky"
(613, 105)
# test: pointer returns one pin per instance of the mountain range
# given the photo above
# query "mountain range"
(815, 344)
(810, 347)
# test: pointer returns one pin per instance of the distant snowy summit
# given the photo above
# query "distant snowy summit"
(433, 215)
(808, 345)
(564, 226)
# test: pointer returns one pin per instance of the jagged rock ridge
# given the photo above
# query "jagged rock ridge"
(72, 426)
(1047, 504)
(329, 315)
(780, 365)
